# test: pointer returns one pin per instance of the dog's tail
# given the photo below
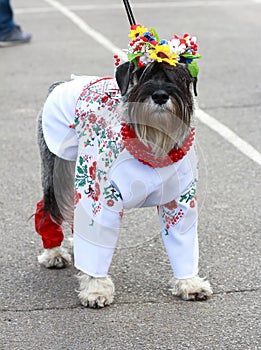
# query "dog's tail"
(57, 177)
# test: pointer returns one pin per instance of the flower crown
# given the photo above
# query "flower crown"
(146, 47)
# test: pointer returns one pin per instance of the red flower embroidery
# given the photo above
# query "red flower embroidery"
(77, 197)
(105, 99)
(110, 203)
(92, 118)
(97, 191)
(92, 170)
(171, 205)
(192, 204)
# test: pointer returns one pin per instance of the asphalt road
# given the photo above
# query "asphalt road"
(39, 308)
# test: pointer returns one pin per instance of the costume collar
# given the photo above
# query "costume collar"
(145, 154)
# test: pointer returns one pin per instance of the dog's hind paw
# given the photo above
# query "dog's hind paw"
(195, 288)
(95, 292)
(55, 258)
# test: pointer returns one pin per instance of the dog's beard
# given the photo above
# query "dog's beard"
(160, 127)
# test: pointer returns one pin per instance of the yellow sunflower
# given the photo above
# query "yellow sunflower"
(137, 30)
(162, 53)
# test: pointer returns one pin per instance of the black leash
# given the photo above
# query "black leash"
(129, 12)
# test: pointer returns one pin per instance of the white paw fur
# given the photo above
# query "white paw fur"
(57, 257)
(194, 288)
(95, 292)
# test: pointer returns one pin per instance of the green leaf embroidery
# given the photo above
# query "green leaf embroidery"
(81, 183)
(79, 169)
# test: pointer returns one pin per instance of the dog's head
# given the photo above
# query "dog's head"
(157, 102)
(156, 87)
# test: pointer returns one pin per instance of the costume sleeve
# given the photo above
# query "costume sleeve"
(97, 218)
(178, 222)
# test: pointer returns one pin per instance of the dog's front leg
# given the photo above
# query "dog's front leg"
(194, 288)
(95, 292)
(179, 232)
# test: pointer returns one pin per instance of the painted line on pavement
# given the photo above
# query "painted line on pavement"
(107, 44)
(229, 135)
(204, 118)
(139, 5)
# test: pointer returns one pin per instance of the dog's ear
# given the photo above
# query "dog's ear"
(123, 76)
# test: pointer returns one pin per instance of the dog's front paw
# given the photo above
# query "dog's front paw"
(55, 258)
(195, 288)
(95, 292)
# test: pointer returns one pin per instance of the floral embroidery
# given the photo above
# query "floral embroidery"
(97, 124)
(171, 217)
(92, 170)
(190, 195)
(111, 194)
(81, 176)
(171, 205)
(77, 197)
(171, 213)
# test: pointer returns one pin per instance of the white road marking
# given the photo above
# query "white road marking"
(205, 118)
(139, 5)
(101, 39)
(229, 135)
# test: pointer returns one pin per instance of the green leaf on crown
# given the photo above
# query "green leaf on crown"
(132, 56)
(189, 55)
(153, 31)
(193, 69)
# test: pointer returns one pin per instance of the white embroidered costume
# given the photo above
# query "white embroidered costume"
(81, 122)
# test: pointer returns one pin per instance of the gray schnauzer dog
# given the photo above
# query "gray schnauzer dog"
(107, 145)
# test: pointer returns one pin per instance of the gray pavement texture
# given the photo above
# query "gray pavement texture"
(39, 308)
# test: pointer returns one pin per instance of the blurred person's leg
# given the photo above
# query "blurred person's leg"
(6, 17)
(10, 33)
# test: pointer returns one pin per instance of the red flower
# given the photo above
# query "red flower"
(192, 204)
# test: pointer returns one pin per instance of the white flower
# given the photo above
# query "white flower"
(145, 59)
(176, 47)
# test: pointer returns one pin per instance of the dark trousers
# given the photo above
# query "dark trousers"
(6, 17)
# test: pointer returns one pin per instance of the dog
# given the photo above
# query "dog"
(111, 144)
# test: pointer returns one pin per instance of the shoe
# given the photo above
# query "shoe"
(14, 37)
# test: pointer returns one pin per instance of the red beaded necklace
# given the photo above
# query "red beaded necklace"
(145, 154)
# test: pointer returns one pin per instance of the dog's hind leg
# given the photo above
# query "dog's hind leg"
(48, 217)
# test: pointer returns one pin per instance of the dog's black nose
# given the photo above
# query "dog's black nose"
(160, 97)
